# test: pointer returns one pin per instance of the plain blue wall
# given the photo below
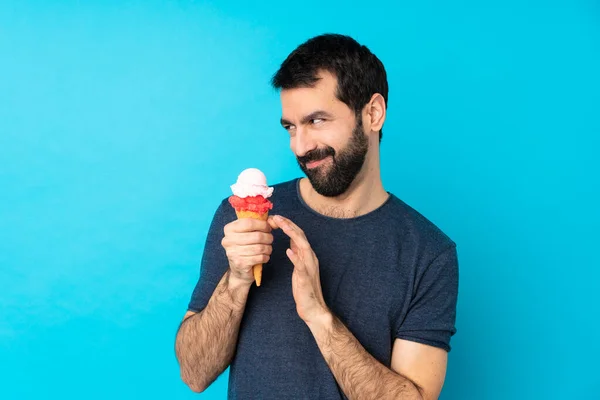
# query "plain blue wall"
(123, 123)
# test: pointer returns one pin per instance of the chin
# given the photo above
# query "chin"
(327, 191)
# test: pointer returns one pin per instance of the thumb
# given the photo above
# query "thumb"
(298, 263)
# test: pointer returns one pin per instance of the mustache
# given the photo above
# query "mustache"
(316, 155)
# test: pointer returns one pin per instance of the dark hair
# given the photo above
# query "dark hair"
(359, 73)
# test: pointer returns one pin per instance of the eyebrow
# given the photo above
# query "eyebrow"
(305, 120)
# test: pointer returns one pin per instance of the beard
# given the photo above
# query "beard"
(335, 179)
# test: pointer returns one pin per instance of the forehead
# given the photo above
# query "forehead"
(298, 102)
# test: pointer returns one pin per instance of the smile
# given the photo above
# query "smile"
(315, 164)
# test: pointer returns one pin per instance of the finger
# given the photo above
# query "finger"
(295, 259)
(293, 232)
(272, 223)
(253, 260)
(244, 239)
(254, 250)
(250, 225)
(297, 250)
(284, 220)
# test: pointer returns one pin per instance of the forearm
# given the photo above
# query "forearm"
(357, 372)
(206, 341)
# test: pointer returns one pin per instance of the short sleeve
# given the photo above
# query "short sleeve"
(214, 260)
(431, 314)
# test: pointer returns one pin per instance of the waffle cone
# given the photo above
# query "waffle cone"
(257, 269)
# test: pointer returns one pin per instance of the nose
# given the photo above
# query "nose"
(302, 142)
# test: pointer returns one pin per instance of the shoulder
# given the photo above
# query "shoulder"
(424, 249)
(416, 231)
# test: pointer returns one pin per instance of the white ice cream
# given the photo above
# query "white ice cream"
(252, 182)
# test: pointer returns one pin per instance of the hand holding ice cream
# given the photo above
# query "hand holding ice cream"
(250, 194)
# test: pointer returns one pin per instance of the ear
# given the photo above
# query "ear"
(375, 113)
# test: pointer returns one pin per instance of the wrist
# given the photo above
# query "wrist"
(236, 283)
(238, 288)
(321, 323)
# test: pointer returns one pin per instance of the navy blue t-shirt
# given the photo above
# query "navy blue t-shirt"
(387, 274)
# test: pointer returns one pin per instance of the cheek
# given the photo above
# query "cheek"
(337, 139)
(334, 136)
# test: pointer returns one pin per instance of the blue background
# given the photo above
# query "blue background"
(123, 123)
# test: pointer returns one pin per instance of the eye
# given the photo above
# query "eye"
(317, 121)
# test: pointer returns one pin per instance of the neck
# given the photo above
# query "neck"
(364, 195)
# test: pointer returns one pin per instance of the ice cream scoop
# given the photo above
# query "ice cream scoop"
(252, 182)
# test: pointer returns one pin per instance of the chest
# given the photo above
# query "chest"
(364, 283)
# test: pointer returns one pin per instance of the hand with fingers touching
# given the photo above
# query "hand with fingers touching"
(306, 280)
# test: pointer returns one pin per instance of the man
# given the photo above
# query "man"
(358, 295)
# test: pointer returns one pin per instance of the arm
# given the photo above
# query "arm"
(206, 341)
(417, 372)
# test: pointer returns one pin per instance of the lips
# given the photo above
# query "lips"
(316, 163)
(315, 157)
